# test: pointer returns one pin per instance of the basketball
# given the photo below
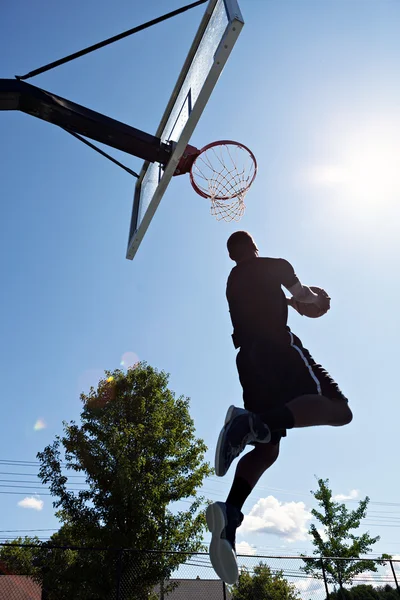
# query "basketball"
(312, 311)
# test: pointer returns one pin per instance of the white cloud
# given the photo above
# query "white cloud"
(245, 548)
(396, 566)
(309, 585)
(366, 578)
(284, 519)
(352, 495)
(323, 534)
(31, 502)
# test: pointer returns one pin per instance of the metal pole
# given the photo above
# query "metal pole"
(162, 596)
(111, 158)
(119, 574)
(72, 117)
(395, 578)
(224, 590)
(325, 581)
(111, 40)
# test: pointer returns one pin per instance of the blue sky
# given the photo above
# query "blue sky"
(313, 89)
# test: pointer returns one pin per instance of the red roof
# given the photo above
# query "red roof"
(200, 589)
(19, 587)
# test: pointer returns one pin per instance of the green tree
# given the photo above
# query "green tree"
(27, 556)
(358, 592)
(386, 592)
(338, 539)
(18, 558)
(366, 592)
(263, 584)
(137, 449)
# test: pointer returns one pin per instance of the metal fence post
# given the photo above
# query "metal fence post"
(224, 590)
(395, 578)
(325, 581)
(119, 574)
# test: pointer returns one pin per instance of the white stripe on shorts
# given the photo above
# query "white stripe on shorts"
(309, 367)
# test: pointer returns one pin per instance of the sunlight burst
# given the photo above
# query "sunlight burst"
(366, 175)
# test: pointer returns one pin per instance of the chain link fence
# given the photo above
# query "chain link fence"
(64, 573)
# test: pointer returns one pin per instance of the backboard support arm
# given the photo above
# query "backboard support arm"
(18, 95)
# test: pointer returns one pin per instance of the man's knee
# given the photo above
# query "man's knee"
(343, 414)
(267, 453)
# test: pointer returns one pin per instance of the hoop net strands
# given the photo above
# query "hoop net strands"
(228, 211)
(223, 172)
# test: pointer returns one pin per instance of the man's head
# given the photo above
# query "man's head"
(241, 246)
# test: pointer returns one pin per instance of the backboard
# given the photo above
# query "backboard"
(214, 40)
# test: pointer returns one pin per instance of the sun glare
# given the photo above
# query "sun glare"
(373, 172)
(367, 172)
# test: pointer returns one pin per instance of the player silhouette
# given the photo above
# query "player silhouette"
(283, 387)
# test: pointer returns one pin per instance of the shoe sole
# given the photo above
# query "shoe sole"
(220, 470)
(222, 555)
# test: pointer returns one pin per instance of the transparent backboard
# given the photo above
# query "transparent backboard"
(214, 40)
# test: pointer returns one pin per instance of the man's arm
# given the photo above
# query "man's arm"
(291, 302)
(300, 292)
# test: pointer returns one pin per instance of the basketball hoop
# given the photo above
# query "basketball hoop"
(223, 172)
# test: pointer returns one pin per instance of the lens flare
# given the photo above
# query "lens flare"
(129, 360)
(40, 424)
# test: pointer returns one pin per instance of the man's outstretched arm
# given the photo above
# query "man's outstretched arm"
(300, 293)
(303, 293)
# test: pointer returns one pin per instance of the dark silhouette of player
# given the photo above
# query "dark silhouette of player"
(283, 387)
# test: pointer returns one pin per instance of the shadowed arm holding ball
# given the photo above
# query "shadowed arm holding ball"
(312, 302)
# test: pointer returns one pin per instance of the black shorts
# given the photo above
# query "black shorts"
(272, 375)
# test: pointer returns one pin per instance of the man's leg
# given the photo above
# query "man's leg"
(249, 470)
(223, 518)
(308, 411)
(301, 405)
(243, 427)
(313, 397)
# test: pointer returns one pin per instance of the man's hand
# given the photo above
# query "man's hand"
(315, 309)
(293, 303)
(324, 301)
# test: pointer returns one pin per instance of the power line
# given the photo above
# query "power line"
(26, 493)
(108, 41)
(35, 474)
(377, 516)
(22, 530)
(31, 482)
(23, 462)
(298, 493)
(36, 487)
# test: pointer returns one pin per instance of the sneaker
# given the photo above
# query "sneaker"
(241, 427)
(223, 520)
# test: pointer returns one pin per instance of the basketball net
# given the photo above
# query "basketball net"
(223, 172)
